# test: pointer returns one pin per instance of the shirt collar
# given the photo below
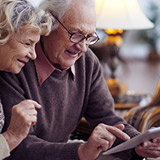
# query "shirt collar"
(43, 67)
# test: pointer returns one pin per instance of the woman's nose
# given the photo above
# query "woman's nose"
(32, 54)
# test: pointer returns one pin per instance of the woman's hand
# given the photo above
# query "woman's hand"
(24, 115)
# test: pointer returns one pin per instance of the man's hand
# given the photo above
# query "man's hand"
(101, 139)
(150, 149)
(24, 115)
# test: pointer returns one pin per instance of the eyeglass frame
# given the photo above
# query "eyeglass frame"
(71, 34)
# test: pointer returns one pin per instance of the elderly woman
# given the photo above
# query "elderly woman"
(20, 29)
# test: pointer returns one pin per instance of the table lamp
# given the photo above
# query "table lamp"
(114, 16)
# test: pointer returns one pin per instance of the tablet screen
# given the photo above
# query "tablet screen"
(133, 142)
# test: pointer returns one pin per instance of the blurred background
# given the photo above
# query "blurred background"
(146, 41)
(138, 68)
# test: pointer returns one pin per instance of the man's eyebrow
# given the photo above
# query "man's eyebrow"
(78, 30)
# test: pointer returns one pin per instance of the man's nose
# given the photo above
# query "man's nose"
(82, 46)
(32, 54)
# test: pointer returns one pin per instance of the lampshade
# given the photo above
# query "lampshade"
(121, 14)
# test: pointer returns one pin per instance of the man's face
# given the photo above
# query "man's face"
(58, 47)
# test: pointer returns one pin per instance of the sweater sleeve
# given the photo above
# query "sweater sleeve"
(4, 148)
(38, 149)
(100, 107)
(32, 147)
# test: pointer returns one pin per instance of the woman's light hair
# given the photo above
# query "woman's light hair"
(19, 15)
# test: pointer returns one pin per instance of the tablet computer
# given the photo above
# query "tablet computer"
(133, 142)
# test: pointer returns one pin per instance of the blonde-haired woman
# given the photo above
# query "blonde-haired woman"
(20, 29)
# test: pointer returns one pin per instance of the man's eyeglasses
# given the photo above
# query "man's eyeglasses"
(79, 37)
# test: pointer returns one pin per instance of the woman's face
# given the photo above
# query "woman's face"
(18, 50)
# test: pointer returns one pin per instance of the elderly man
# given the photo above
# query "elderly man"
(66, 79)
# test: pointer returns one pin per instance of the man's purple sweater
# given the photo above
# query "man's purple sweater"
(64, 102)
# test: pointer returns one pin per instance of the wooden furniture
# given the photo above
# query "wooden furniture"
(148, 116)
(150, 119)
(82, 132)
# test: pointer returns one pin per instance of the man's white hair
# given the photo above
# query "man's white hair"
(60, 7)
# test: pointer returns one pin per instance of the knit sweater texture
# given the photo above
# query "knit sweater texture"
(64, 102)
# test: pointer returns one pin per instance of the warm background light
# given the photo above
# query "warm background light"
(121, 14)
(114, 16)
